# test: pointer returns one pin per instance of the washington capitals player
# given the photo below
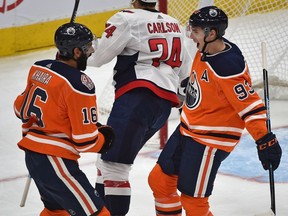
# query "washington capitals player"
(59, 114)
(150, 64)
(220, 102)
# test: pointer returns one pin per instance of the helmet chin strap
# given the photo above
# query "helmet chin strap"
(206, 31)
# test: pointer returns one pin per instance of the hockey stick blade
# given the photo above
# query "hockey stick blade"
(74, 13)
(270, 213)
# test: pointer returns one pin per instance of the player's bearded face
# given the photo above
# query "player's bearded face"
(82, 62)
(87, 51)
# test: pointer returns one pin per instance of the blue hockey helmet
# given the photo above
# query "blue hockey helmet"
(71, 35)
(210, 17)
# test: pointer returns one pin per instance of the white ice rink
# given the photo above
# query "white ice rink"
(233, 196)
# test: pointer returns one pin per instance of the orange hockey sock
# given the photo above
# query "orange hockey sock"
(164, 187)
(104, 212)
(195, 206)
(47, 212)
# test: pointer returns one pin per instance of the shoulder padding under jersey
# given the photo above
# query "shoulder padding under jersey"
(229, 62)
(79, 80)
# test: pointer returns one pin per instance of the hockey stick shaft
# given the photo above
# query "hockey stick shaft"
(265, 83)
(25, 192)
(268, 122)
(74, 13)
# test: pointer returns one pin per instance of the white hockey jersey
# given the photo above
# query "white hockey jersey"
(150, 51)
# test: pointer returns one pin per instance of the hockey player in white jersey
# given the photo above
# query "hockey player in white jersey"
(151, 62)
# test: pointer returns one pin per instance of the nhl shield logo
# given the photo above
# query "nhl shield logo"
(87, 81)
(193, 92)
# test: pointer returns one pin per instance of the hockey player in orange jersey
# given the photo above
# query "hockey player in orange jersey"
(220, 102)
(59, 115)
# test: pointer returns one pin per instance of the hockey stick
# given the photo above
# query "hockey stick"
(268, 123)
(74, 13)
(270, 213)
(25, 192)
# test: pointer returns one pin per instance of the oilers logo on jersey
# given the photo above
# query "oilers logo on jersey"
(193, 92)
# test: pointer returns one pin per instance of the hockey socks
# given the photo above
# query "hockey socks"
(99, 186)
(117, 188)
(195, 206)
(117, 197)
(164, 187)
(118, 205)
(47, 212)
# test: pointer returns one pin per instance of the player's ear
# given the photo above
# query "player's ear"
(77, 52)
(213, 33)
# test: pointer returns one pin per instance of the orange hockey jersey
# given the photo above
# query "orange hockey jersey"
(220, 101)
(58, 111)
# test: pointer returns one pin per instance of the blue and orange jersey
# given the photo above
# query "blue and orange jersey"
(59, 112)
(220, 101)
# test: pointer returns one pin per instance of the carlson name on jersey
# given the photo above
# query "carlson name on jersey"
(160, 27)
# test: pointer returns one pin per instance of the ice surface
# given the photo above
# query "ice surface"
(232, 196)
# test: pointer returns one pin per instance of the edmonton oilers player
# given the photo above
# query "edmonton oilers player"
(220, 102)
(59, 121)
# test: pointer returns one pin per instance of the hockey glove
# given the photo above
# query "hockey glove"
(108, 134)
(269, 151)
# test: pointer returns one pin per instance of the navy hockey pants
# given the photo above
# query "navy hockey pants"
(135, 117)
(195, 164)
(62, 185)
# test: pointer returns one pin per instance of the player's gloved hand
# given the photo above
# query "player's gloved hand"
(269, 151)
(108, 134)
